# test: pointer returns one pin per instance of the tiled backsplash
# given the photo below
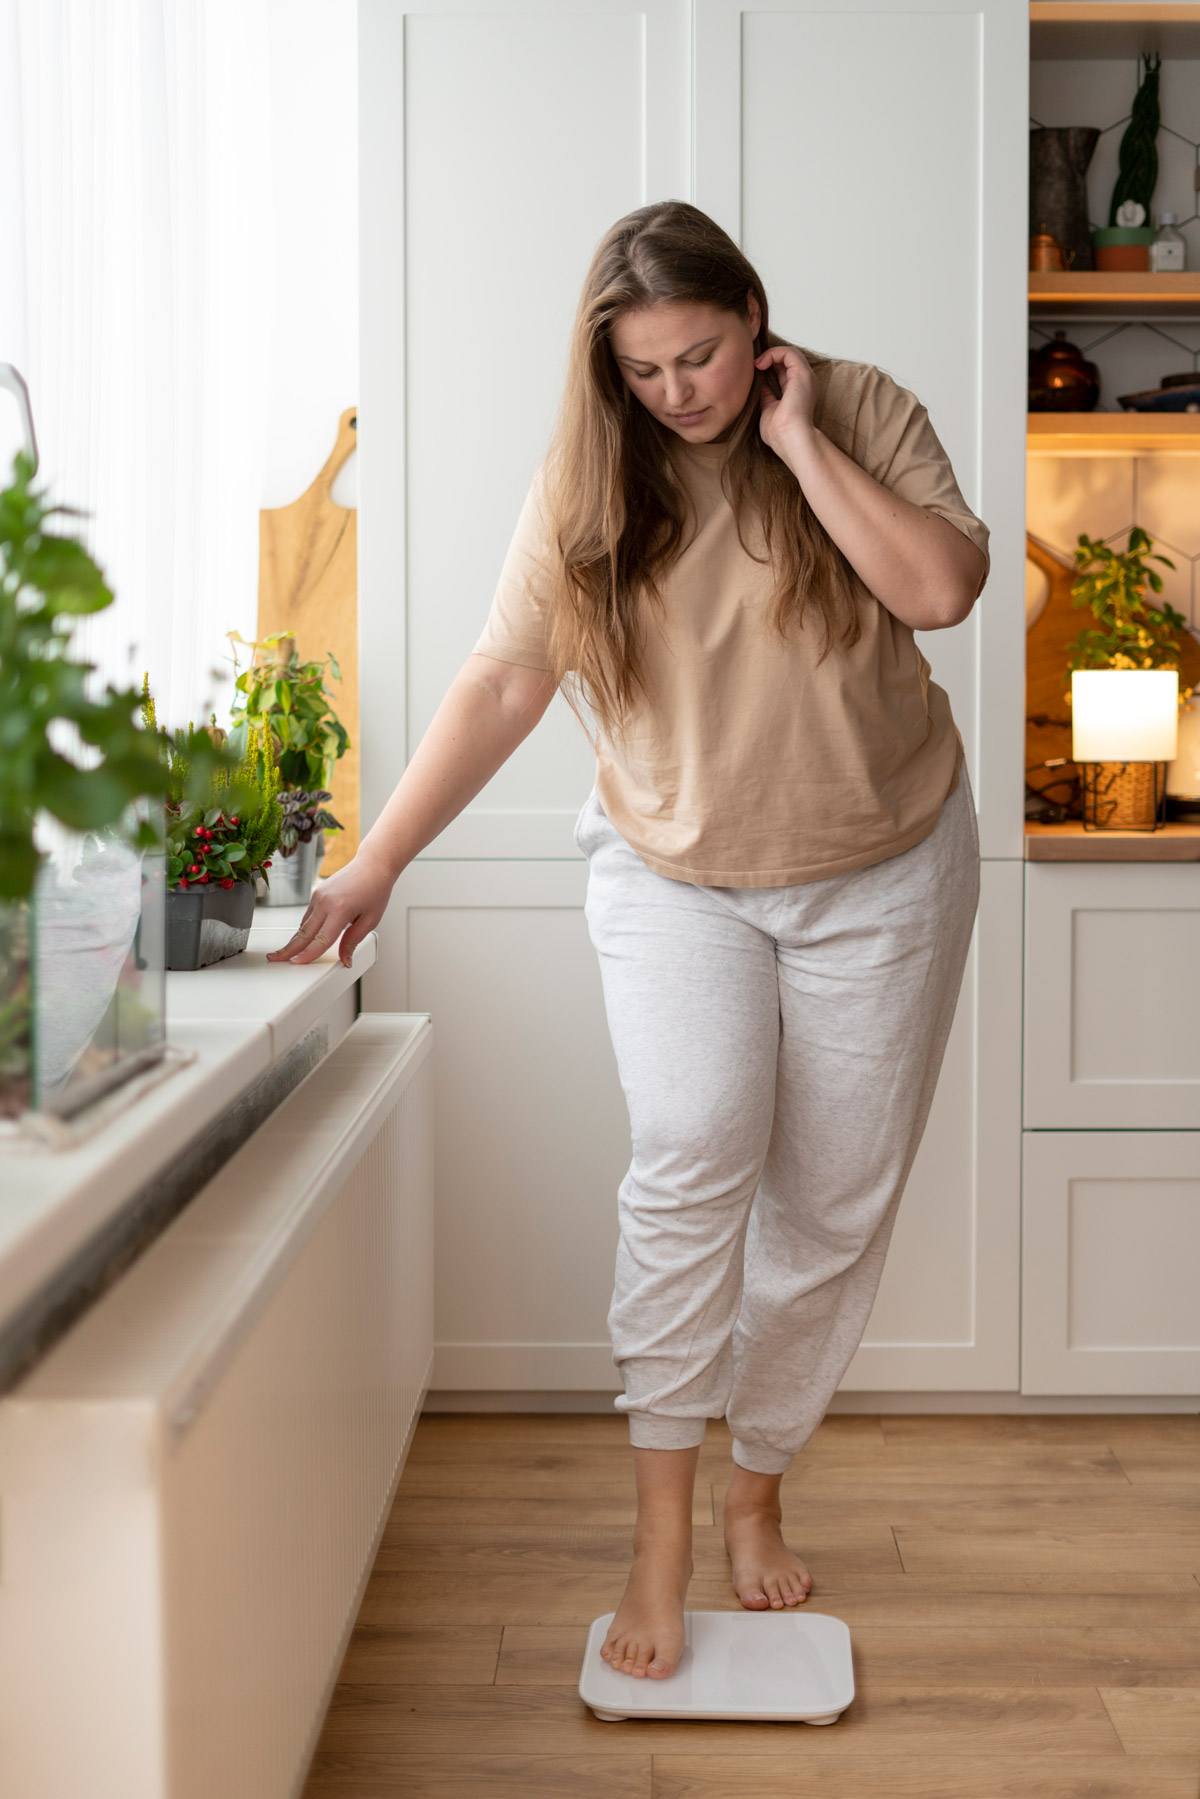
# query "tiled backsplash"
(1104, 495)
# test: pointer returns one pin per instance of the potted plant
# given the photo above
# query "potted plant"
(76, 947)
(1128, 634)
(220, 839)
(288, 698)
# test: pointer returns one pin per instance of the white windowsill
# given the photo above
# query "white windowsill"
(236, 1018)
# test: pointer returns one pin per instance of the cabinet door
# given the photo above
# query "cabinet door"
(1112, 994)
(946, 1314)
(1111, 1245)
(872, 160)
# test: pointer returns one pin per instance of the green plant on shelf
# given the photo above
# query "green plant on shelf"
(288, 697)
(304, 814)
(1129, 632)
(229, 830)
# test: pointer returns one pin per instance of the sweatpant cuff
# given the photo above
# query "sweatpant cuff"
(647, 1430)
(760, 1458)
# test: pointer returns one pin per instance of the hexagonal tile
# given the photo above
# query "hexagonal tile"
(1167, 499)
(1136, 359)
(1083, 92)
(1069, 494)
(1177, 96)
(1174, 190)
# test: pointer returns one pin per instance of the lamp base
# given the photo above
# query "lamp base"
(1124, 796)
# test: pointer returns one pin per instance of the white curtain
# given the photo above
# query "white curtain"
(141, 317)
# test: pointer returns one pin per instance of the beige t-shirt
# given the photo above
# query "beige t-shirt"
(746, 765)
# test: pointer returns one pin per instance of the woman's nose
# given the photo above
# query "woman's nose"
(678, 392)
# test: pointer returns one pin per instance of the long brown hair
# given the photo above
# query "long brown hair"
(615, 508)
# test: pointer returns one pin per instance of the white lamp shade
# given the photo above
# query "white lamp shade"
(1124, 714)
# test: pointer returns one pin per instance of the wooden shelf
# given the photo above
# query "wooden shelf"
(1071, 843)
(1098, 294)
(1112, 433)
(1073, 28)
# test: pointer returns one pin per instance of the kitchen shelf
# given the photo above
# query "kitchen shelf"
(1093, 293)
(1112, 433)
(1072, 29)
(1071, 843)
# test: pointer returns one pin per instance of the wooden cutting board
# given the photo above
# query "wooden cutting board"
(1047, 677)
(308, 584)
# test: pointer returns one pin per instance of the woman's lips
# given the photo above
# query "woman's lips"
(689, 418)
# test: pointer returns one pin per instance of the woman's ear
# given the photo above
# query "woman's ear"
(754, 318)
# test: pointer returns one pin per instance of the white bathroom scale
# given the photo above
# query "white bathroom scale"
(784, 1667)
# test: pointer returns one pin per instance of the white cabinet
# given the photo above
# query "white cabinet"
(1111, 1249)
(1111, 1197)
(498, 143)
(1112, 996)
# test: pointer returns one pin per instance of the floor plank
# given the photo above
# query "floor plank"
(933, 1777)
(422, 1654)
(624, 1776)
(1081, 1550)
(515, 1720)
(1162, 1721)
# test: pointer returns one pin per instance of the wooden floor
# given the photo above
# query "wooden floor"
(1023, 1596)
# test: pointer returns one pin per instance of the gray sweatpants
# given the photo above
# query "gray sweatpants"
(778, 1048)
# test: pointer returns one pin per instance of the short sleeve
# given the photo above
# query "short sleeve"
(517, 624)
(897, 445)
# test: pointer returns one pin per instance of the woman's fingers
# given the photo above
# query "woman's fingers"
(316, 932)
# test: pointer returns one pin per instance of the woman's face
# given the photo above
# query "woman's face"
(691, 366)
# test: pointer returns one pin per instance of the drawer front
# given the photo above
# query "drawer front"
(1112, 996)
(1110, 1248)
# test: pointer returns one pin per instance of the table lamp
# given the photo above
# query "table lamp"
(1124, 723)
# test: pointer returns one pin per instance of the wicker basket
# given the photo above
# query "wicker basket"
(1123, 796)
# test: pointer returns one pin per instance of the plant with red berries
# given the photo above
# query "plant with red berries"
(230, 833)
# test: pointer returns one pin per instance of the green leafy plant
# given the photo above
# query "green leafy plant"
(304, 814)
(228, 830)
(1137, 156)
(47, 582)
(1129, 632)
(289, 698)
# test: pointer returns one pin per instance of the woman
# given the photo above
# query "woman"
(724, 557)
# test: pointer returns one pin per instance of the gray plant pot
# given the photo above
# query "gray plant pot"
(206, 924)
(292, 876)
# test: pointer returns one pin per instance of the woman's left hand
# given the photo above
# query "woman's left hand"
(792, 414)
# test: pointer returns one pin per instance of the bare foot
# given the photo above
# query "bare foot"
(647, 1635)
(766, 1575)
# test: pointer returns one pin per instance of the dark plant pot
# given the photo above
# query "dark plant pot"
(206, 924)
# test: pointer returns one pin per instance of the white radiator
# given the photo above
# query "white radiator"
(194, 1481)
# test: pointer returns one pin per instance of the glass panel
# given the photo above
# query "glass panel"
(89, 951)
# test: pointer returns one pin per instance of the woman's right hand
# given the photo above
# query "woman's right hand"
(347, 904)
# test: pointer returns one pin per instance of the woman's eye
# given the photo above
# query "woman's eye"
(687, 365)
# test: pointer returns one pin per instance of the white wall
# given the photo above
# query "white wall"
(314, 139)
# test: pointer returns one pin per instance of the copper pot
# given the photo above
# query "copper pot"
(1061, 379)
(1045, 252)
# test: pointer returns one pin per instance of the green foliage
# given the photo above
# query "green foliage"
(1137, 157)
(223, 812)
(289, 698)
(1129, 632)
(304, 814)
(48, 581)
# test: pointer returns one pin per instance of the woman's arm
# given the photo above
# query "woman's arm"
(920, 566)
(490, 707)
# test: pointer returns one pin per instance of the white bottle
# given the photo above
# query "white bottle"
(1169, 249)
